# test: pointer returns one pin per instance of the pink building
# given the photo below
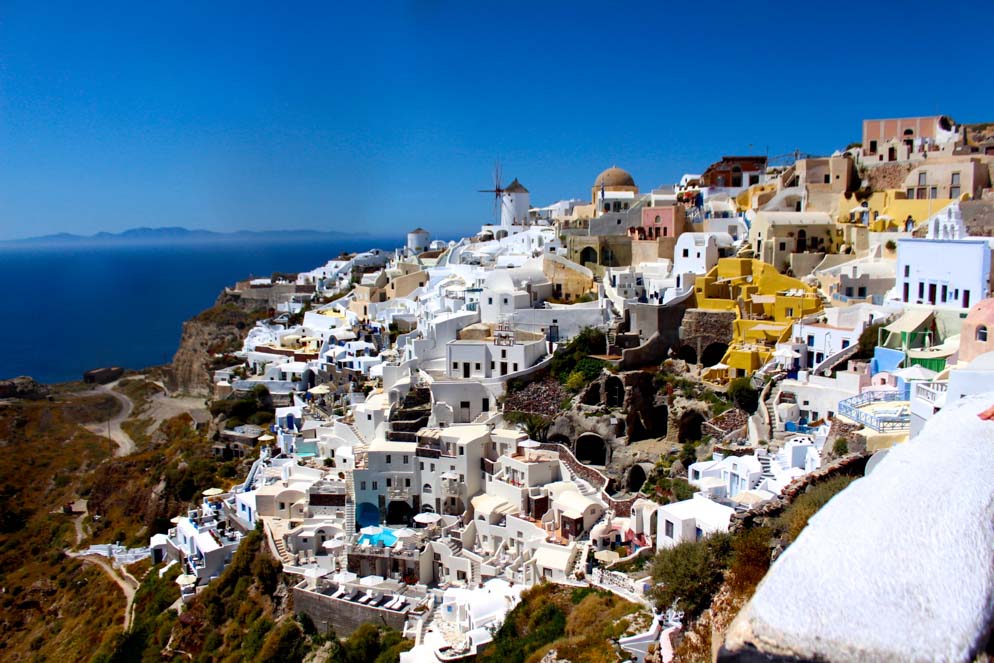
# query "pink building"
(977, 334)
(659, 222)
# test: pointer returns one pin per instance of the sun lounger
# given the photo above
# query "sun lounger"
(365, 599)
(340, 592)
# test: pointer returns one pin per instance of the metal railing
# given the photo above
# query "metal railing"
(879, 422)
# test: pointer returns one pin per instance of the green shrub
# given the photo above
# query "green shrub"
(690, 573)
(743, 394)
(750, 558)
(841, 447)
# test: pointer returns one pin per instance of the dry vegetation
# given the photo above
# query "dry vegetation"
(578, 624)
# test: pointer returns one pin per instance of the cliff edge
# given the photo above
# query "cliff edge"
(211, 335)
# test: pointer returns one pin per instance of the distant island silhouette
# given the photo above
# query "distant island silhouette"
(180, 234)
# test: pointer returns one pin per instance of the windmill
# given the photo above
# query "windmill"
(497, 191)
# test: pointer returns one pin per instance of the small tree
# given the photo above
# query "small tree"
(743, 394)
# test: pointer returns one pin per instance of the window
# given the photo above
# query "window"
(433, 467)
(658, 218)
(389, 482)
(873, 146)
(503, 354)
(375, 485)
(464, 405)
(515, 367)
(982, 333)
(388, 459)
(407, 482)
(421, 466)
(490, 300)
(955, 179)
(462, 478)
(921, 193)
(789, 312)
(783, 246)
(954, 188)
(477, 365)
(462, 451)
(845, 344)
(921, 178)
(945, 291)
(669, 529)
(362, 485)
(907, 271)
(486, 405)
(811, 340)
(910, 193)
(921, 290)
(426, 488)
(455, 365)
(933, 192)
(861, 291)
(686, 253)
(407, 460)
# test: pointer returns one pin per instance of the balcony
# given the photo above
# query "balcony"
(884, 411)
(398, 493)
(932, 392)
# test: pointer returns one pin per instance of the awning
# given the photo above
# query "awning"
(910, 321)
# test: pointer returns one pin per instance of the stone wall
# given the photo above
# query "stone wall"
(342, 616)
(851, 465)
(702, 327)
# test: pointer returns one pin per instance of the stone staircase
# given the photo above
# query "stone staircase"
(453, 545)
(285, 555)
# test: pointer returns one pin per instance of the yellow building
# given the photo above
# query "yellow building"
(889, 210)
(767, 304)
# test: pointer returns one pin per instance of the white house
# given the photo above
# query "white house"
(690, 520)
(943, 272)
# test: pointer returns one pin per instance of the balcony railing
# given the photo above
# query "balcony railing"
(881, 422)
(932, 392)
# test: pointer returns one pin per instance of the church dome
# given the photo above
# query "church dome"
(614, 176)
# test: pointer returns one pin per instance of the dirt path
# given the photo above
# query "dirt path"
(126, 583)
(112, 427)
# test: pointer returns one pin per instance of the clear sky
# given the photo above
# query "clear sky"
(378, 117)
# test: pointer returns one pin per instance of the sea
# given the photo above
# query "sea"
(70, 308)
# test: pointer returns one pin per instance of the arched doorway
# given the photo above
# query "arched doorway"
(802, 241)
(690, 426)
(592, 396)
(366, 514)
(399, 512)
(558, 438)
(636, 477)
(614, 391)
(713, 354)
(687, 353)
(591, 449)
(588, 255)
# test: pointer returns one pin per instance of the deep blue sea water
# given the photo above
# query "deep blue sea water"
(68, 309)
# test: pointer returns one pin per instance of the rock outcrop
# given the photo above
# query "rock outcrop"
(212, 333)
(23, 387)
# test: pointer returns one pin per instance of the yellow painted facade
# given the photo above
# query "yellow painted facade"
(889, 209)
(767, 303)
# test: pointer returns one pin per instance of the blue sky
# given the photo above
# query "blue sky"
(382, 116)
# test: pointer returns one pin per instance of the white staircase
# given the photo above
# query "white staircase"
(349, 505)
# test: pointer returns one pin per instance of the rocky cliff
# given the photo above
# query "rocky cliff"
(210, 335)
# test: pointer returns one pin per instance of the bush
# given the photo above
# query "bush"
(743, 394)
(691, 573)
(286, 643)
(841, 447)
(796, 517)
(868, 341)
(750, 558)
(688, 454)
(891, 245)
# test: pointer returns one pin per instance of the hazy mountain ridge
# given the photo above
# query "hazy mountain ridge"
(178, 233)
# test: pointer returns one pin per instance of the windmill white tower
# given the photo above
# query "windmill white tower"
(514, 205)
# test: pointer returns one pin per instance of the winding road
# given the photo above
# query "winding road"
(112, 427)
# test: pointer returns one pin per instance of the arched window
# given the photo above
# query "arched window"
(982, 333)
(658, 218)
(426, 488)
